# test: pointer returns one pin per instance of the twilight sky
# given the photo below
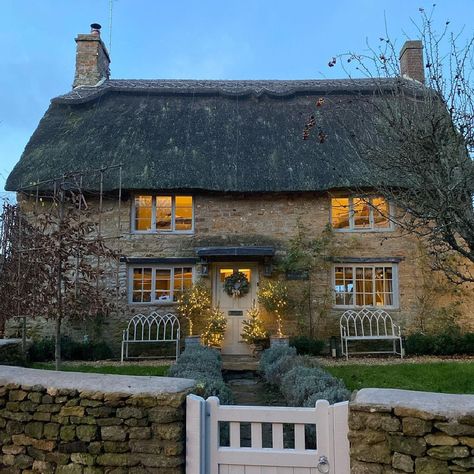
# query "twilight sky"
(183, 39)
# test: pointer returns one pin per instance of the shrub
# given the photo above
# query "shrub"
(307, 346)
(334, 394)
(300, 379)
(273, 354)
(43, 350)
(447, 343)
(203, 364)
(301, 382)
(275, 371)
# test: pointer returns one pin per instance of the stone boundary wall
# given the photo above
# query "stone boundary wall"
(67, 422)
(399, 431)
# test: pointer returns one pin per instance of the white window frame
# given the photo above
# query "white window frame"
(371, 228)
(154, 268)
(395, 285)
(154, 230)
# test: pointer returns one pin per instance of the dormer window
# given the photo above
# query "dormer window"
(163, 213)
(360, 213)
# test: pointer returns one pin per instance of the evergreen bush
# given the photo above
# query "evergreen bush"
(307, 346)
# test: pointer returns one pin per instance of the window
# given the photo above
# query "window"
(163, 214)
(356, 213)
(159, 284)
(365, 285)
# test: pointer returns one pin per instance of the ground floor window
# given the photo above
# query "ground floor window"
(158, 284)
(365, 285)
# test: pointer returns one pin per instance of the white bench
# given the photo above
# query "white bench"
(153, 328)
(369, 325)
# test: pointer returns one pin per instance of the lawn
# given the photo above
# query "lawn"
(107, 369)
(445, 377)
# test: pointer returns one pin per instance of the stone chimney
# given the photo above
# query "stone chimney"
(411, 61)
(92, 59)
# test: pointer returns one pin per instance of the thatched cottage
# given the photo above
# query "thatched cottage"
(217, 177)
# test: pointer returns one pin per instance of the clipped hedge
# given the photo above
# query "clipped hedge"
(307, 346)
(299, 379)
(203, 364)
(448, 343)
(43, 350)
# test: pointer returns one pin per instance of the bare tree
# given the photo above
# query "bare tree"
(417, 141)
(52, 263)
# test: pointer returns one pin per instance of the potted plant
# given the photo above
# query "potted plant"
(273, 296)
(194, 303)
(253, 331)
(213, 334)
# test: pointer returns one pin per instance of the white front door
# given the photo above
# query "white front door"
(234, 307)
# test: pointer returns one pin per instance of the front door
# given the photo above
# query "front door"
(234, 307)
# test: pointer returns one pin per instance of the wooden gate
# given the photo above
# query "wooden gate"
(230, 439)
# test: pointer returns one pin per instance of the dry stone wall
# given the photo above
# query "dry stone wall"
(399, 431)
(68, 422)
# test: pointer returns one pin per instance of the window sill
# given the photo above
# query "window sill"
(153, 303)
(164, 232)
(358, 308)
(360, 231)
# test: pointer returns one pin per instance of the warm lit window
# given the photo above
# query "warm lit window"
(365, 285)
(163, 214)
(159, 284)
(357, 213)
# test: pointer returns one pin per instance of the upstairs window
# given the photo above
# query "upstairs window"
(159, 284)
(163, 213)
(359, 214)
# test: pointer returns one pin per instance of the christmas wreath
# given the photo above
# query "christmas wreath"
(236, 285)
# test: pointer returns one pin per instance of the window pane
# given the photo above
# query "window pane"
(163, 284)
(183, 279)
(340, 213)
(163, 212)
(381, 212)
(361, 212)
(143, 211)
(141, 285)
(183, 213)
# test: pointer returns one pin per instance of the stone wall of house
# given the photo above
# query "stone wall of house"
(233, 220)
(399, 431)
(68, 422)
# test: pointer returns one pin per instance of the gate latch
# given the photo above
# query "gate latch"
(323, 465)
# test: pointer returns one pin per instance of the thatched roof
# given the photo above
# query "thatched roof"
(235, 136)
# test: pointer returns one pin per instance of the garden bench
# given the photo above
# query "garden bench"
(369, 325)
(150, 329)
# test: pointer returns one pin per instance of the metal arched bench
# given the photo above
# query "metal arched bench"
(369, 325)
(149, 329)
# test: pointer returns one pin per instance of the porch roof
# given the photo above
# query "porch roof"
(250, 252)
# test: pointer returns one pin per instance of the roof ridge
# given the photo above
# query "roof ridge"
(225, 87)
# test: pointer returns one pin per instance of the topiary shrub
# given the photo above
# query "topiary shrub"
(307, 346)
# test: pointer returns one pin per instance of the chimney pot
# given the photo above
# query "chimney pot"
(95, 29)
(411, 61)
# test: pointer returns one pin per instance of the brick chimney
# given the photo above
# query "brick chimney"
(92, 59)
(411, 61)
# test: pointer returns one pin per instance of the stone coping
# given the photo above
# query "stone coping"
(85, 382)
(447, 405)
(8, 342)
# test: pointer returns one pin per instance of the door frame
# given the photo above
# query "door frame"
(216, 286)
